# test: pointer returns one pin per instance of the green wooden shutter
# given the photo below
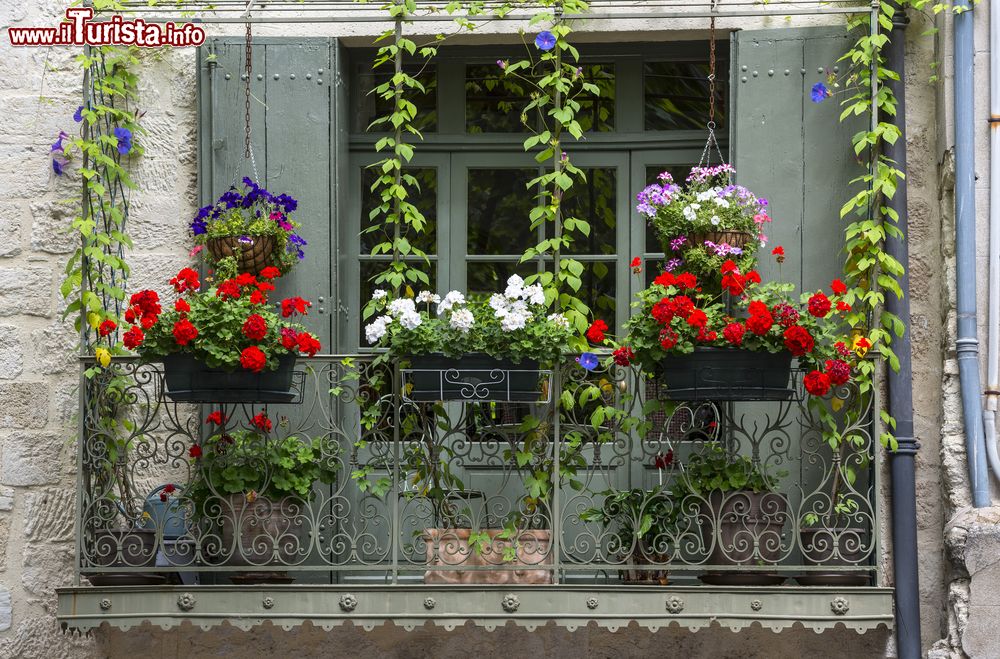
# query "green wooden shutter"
(795, 152)
(294, 117)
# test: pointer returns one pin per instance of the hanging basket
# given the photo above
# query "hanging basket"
(250, 258)
(738, 239)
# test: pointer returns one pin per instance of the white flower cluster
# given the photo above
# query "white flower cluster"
(560, 320)
(426, 297)
(377, 329)
(512, 307)
(452, 299)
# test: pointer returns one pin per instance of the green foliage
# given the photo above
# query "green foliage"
(713, 470)
(643, 520)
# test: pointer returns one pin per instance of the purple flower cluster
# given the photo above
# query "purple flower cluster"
(678, 242)
(723, 249)
(673, 264)
(653, 196)
(702, 174)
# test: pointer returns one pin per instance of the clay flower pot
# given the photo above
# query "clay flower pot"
(262, 533)
(743, 528)
(853, 544)
(450, 548)
(119, 548)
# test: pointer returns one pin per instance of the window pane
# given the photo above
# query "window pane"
(369, 269)
(595, 202)
(676, 94)
(484, 279)
(493, 102)
(499, 211)
(425, 201)
(371, 106)
(679, 172)
(597, 112)
(598, 290)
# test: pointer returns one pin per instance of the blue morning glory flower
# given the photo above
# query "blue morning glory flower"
(58, 165)
(58, 145)
(78, 115)
(124, 136)
(588, 360)
(819, 93)
(545, 40)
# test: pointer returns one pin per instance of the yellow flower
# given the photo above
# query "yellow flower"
(860, 345)
(103, 356)
(93, 319)
(251, 496)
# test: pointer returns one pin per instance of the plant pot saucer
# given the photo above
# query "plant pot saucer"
(833, 579)
(742, 578)
(126, 579)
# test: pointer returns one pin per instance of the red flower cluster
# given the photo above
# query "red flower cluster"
(167, 490)
(228, 290)
(819, 305)
(182, 306)
(270, 272)
(253, 359)
(683, 281)
(289, 339)
(107, 327)
(184, 332)
(133, 338)
(786, 314)
(663, 460)
(733, 333)
(668, 338)
(623, 356)
(217, 417)
(737, 283)
(186, 280)
(838, 287)
(636, 265)
(255, 327)
(293, 305)
(308, 344)
(798, 340)
(838, 371)
(595, 333)
(817, 383)
(779, 254)
(143, 306)
(261, 422)
(760, 321)
(194, 451)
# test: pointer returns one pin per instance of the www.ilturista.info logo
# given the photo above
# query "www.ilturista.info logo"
(79, 30)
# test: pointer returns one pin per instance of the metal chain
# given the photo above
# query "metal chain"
(248, 72)
(706, 155)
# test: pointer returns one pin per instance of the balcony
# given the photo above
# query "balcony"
(620, 506)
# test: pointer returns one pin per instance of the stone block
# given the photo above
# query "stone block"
(26, 170)
(49, 515)
(6, 499)
(31, 458)
(46, 567)
(11, 352)
(11, 219)
(6, 607)
(54, 348)
(25, 405)
(26, 290)
(51, 229)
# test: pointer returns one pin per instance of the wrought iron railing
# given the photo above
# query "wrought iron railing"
(596, 481)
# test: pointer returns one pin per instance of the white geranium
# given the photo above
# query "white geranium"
(498, 302)
(379, 294)
(513, 321)
(515, 287)
(410, 320)
(450, 300)
(377, 329)
(559, 320)
(428, 297)
(534, 294)
(401, 306)
(462, 319)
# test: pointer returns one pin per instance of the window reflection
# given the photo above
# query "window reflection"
(676, 94)
(499, 206)
(425, 200)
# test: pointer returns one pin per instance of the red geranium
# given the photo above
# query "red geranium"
(133, 338)
(668, 338)
(697, 318)
(261, 422)
(733, 333)
(147, 321)
(636, 265)
(245, 279)
(819, 305)
(595, 333)
(728, 266)
(257, 298)
(294, 305)
(270, 272)
(167, 490)
(663, 461)
(194, 451)
(182, 306)
(184, 332)
(107, 327)
(308, 344)
(817, 384)
(623, 356)
(186, 280)
(760, 320)
(787, 314)
(663, 311)
(798, 340)
(687, 280)
(216, 417)
(253, 359)
(779, 252)
(838, 371)
(147, 302)
(665, 279)
(255, 327)
(682, 305)
(734, 283)
(289, 339)
(843, 306)
(838, 287)
(265, 287)
(228, 289)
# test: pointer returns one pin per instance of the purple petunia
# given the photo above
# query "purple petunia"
(673, 264)
(819, 93)
(678, 242)
(296, 243)
(545, 40)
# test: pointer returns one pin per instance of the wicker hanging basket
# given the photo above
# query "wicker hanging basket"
(738, 239)
(250, 258)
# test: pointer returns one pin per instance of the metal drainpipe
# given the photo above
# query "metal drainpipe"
(993, 340)
(967, 344)
(900, 383)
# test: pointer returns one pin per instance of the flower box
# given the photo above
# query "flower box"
(190, 380)
(450, 548)
(476, 377)
(719, 374)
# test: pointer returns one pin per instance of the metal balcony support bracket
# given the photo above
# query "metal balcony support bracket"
(572, 607)
(900, 385)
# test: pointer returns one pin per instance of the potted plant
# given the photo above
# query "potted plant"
(644, 528)
(475, 350)
(739, 512)
(251, 225)
(221, 342)
(705, 222)
(250, 496)
(705, 347)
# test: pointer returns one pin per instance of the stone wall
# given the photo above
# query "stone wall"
(40, 89)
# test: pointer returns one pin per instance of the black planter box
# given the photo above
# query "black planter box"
(189, 380)
(725, 374)
(472, 377)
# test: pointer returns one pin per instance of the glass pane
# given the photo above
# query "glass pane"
(371, 106)
(595, 203)
(679, 172)
(598, 290)
(369, 269)
(484, 279)
(676, 94)
(493, 102)
(425, 201)
(499, 211)
(598, 112)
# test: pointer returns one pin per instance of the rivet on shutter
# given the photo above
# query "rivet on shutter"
(755, 74)
(276, 76)
(292, 77)
(228, 76)
(770, 72)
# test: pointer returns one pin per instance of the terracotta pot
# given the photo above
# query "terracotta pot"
(747, 527)
(250, 258)
(263, 533)
(450, 547)
(636, 577)
(852, 544)
(122, 547)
